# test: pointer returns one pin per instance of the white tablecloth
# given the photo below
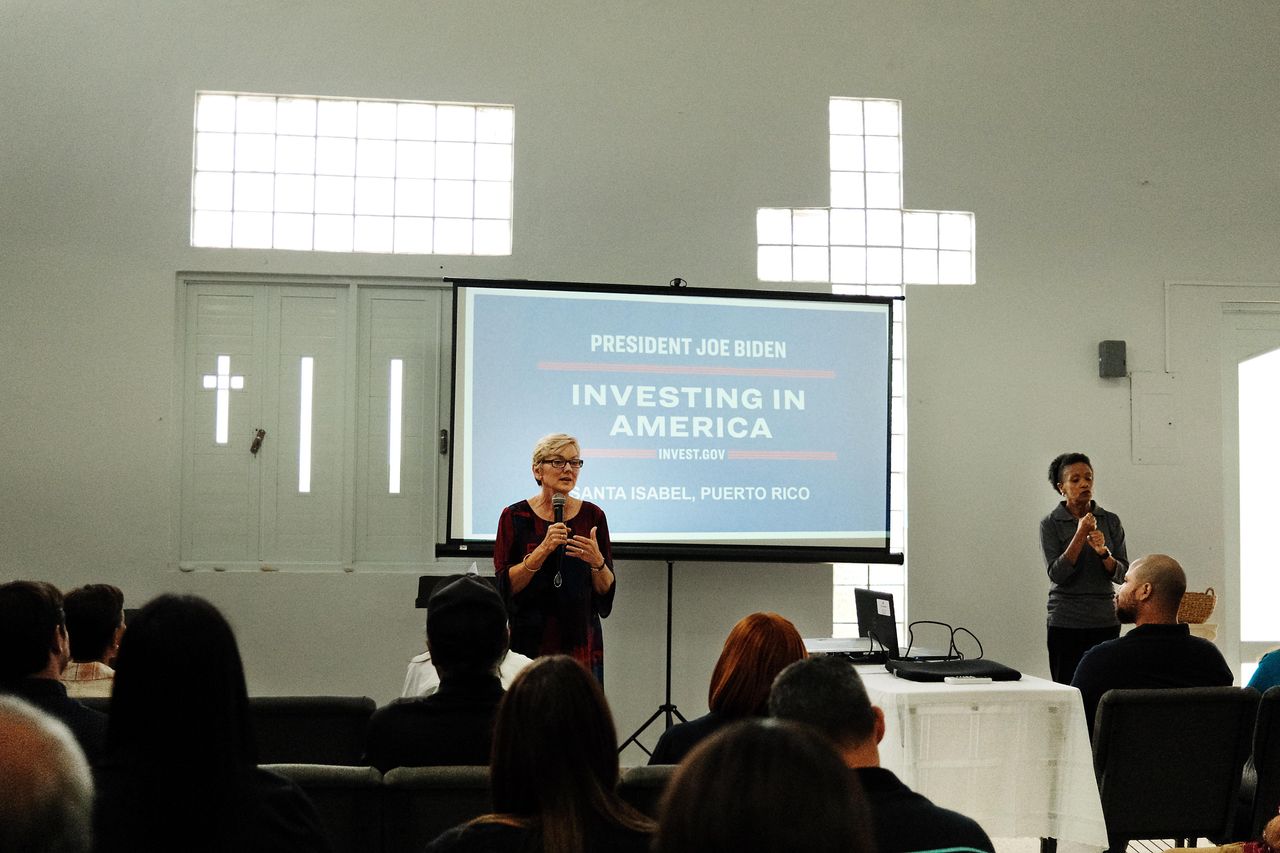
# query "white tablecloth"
(1013, 755)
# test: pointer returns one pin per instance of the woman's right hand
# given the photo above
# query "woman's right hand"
(1086, 525)
(557, 535)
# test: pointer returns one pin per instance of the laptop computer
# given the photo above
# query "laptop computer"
(876, 619)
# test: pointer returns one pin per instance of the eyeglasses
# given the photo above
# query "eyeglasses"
(559, 464)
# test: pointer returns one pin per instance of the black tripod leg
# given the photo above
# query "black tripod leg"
(635, 736)
(666, 707)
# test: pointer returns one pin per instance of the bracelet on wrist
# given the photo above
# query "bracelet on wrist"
(531, 571)
(599, 568)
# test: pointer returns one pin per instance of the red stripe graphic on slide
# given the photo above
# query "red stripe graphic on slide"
(686, 369)
(618, 453)
(783, 454)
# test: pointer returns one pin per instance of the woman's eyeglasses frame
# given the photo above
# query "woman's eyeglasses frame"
(559, 463)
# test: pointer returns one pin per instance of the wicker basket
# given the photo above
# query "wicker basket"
(1196, 607)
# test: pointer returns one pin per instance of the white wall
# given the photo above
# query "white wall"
(1105, 147)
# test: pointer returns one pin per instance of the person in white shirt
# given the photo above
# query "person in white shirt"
(423, 680)
(95, 624)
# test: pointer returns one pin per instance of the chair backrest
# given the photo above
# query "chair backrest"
(1265, 763)
(1169, 761)
(311, 729)
(422, 802)
(642, 787)
(349, 800)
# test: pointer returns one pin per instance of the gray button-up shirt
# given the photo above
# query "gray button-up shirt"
(1082, 594)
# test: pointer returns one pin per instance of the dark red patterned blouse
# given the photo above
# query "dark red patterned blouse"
(558, 612)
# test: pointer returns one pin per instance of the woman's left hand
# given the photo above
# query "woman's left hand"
(1097, 541)
(586, 549)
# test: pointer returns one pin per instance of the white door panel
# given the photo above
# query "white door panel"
(319, 493)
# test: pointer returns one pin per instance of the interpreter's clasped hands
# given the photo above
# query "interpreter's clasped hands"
(1097, 542)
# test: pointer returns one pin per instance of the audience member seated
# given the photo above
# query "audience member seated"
(466, 636)
(34, 651)
(1267, 675)
(756, 650)
(1159, 651)
(95, 621)
(422, 679)
(46, 792)
(181, 770)
(828, 694)
(554, 772)
(768, 786)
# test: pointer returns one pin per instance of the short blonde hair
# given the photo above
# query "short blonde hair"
(548, 443)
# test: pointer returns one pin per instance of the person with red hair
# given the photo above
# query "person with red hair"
(759, 647)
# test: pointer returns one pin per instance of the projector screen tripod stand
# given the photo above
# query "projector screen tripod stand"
(667, 708)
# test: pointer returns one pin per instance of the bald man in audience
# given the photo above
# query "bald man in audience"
(827, 694)
(1158, 651)
(34, 652)
(46, 791)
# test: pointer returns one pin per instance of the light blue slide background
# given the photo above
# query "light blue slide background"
(514, 337)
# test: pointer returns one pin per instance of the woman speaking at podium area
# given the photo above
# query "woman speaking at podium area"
(556, 575)
(1085, 554)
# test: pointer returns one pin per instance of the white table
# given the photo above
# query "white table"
(1014, 755)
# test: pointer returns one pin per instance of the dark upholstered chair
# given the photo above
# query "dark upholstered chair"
(1169, 761)
(311, 729)
(419, 803)
(1260, 789)
(349, 800)
(642, 786)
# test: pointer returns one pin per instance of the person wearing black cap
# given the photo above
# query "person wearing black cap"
(467, 637)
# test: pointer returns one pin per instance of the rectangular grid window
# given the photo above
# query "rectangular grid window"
(337, 175)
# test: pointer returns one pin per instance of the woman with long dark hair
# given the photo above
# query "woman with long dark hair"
(181, 770)
(554, 772)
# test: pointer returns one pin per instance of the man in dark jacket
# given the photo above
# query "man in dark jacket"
(828, 694)
(1159, 651)
(467, 637)
(34, 651)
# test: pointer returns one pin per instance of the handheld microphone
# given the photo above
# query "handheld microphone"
(557, 508)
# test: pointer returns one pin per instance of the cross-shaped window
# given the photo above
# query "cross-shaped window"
(865, 237)
(223, 383)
